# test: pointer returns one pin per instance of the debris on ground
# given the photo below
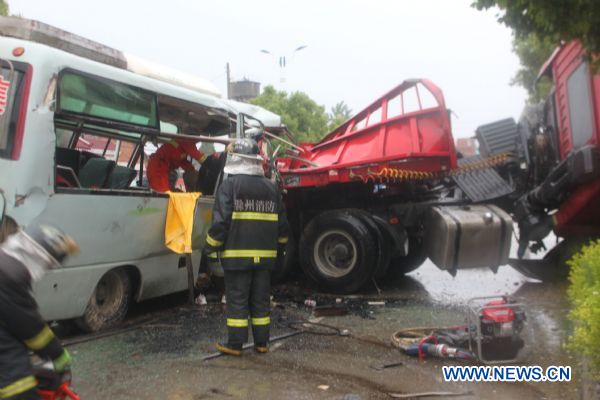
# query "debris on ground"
(386, 366)
(428, 394)
(333, 310)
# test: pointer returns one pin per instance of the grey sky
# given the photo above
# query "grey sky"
(357, 50)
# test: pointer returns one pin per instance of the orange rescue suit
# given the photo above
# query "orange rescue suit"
(168, 157)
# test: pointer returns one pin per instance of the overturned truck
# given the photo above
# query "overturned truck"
(385, 190)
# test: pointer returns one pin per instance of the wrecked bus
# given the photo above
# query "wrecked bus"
(75, 119)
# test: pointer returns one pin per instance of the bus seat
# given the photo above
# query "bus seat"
(121, 177)
(68, 158)
(95, 173)
(85, 156)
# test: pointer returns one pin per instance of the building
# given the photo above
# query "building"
(244, 90)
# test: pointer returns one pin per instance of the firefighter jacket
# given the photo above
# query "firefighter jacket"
(22, 329)
(169, 157)
(248, 223)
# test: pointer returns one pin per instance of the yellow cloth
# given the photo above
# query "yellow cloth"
(180, 221)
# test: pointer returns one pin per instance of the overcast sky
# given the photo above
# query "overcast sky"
(357, 50)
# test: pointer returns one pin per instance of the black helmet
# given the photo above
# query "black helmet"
(57, 243)
(247, 148)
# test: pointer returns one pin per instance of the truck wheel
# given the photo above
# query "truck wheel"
(384, 245)
(417, 254)
(109, 302)
(337, 251)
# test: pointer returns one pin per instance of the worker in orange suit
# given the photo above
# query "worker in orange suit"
(169, 157)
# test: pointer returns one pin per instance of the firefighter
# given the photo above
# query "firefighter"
(248, 230)
(24, 258)
(170, 156)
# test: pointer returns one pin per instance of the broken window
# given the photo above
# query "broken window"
(106, 99)
(11, 90)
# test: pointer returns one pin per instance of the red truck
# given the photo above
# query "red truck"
(558, 179)
(387, 189)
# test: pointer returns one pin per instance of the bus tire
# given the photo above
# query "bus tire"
(109, 302)
(337, 251)
(417, 254)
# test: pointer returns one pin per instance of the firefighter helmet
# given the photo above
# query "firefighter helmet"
(53, 240)
(246, 148)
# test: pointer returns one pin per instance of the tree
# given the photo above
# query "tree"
(539, 26)
(532, 53)
(3, 8)
(339, 114)
(302, 115)
(552, 21)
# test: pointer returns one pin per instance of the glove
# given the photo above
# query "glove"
(63, 362)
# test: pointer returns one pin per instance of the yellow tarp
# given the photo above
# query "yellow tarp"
(180, 221)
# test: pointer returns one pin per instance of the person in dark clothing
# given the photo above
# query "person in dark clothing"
(25, 257)
(249, 228)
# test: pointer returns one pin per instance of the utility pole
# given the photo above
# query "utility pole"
(228, 81)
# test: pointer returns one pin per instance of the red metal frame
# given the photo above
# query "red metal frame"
(419, 140)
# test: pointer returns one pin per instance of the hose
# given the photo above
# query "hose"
(389, 174)
(315, 328)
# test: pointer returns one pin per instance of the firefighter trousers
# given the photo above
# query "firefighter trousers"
(248, 293)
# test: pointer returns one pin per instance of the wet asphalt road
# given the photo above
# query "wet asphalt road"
(162, 359)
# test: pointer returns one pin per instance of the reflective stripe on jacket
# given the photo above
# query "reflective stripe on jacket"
(248, 222)
(21, 329)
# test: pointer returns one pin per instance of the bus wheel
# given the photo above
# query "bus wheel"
(109, 302)
(338, 252)
(417, 254)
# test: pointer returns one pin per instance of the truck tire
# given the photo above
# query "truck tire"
(417, 254)
(109, 302)
(337, 251)
(384, 245)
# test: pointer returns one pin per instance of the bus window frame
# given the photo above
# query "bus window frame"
(81, 124)
(108, 81)
(18, 113)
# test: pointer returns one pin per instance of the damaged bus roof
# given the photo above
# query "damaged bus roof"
(205, 92)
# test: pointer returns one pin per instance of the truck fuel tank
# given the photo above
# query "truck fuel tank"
(470, 236)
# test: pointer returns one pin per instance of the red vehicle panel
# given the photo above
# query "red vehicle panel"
(407, 128)
(579, 214)
(565, 63)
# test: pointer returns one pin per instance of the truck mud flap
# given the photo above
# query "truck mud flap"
(551, 268)
(482, 184)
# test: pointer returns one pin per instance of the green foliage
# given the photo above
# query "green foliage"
(339, 114)
(584, 293)
(539, 27)
(554, 21)
(302, 115)
(3, 8)
(532, 53)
